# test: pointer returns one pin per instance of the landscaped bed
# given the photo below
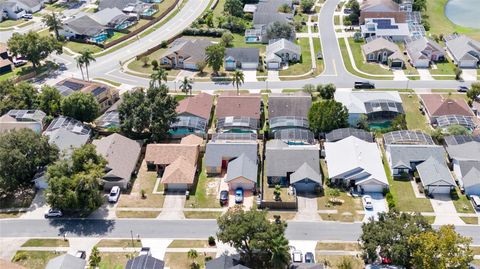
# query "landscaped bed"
(34, 259)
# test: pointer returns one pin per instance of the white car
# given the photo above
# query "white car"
(114, 194)
(475, 201)
(367, 202)
(297, 256)
(53, 213)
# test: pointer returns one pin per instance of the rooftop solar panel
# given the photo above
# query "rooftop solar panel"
(99, 90)
(69, 124)
(73, 85)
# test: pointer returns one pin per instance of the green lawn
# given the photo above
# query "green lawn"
(415, 119)
(114, 260)
(203, 196)
(461, 202)
(335, 261)
(115, 36)
(137, 214)
(347, 210)
(164, 5)
(348, 63)
(338, 246)
(119, 243)
(189, 244)
(181, 261)
(79, 47)
(440, 24)
(305, 63)
(10, 23)
(34, 259)
(114, 83)
(362, 65)
(218, 11)
(301, 17)
(444, 68)
(202, 214)
(46, 243)
(336, 20)
(55, 7)
(470, 220)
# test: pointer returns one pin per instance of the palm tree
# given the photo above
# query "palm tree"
(79, 61)
(157, 77)
(53, 23)
(193, 254)
(87, 58)
(186, 85)
(237, 79)
(280, 253)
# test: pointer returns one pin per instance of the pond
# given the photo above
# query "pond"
(464, 12)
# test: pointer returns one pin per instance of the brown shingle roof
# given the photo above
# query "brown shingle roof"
(238, 106)
(199, 105)
(192, 139)
(437, 105)
(165, 154)
(180, 171)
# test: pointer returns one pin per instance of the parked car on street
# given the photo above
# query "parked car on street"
(297, 256)
(309, 257)
(239, 196)
(114, 194)
(367, 202)
(364, 85)
(462, 89)
(53, 213)
(224, 197)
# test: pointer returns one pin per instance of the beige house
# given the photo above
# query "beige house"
(381, 50)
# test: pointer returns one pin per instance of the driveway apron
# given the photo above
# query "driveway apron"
(173, 206)
(379, 205)
(445, 210)
(307, 208)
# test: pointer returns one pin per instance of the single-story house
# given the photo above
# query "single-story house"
(111, 117)
(11, 10)
(85, 28)
(66, 261)
(446, 111)
(104, 94)
(296, 165)
(383, 51)
(238, 113)
(250, 8)
(176, 164)
(342, 133)
(385, 27)
(281, 52)
(370, 9)
(225, 147)
(241, 58)
(130, 7)
(435, 176)
(464, 50)
(464, 154)
(361, 168)
(185, 54)
(114, 18)
(145, 262)
(18, 119)
(30, 6)
(288, 111)
(225, 262)
(378, 106)
(407, 137)
(193, 116)
(122, 155)
(422, 51)
(405, 158)
(67, 134)
(242, 173)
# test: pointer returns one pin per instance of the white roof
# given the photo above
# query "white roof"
(250, 8)
(353, 156)
(355, 100)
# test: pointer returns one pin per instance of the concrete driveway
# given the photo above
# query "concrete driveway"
(398, 74)
(307, 208)
(250, 75)
(304, 246)
(424, 74)
(173, 206)
(248, 199)
(38, 207)
(445, 210)
(272, 75)
(379, 205)
(469, 74)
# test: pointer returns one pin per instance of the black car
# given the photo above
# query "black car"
(223, 197)
(364, 85)
(309, 258)
(462, 89)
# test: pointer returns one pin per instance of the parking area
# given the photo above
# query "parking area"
(379, 205)
(304, 246)
(248, 199)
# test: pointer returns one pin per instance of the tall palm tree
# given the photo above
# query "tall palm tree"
(53, 23)
(79, 62)
(87, 58)
(157, 77)
(280, 253)
(237, 79)
(186, 85)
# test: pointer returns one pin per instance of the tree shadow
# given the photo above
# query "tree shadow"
(83, 227)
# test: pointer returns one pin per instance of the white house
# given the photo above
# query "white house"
(464, 50)
(30, 6)
(356, 163)
(282, 52)
(422, 51)
(464, 153)
(385, 27)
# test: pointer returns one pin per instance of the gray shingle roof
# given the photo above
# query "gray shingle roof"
(109, 16)
(120, 4)
(282, 158)
(404, 155)
(29, 3)
(466, 151)
(305, 172)
(416, 48)
(472, 177)
(242, 167)
(145, 262)
(463, 48)
(289, 105)
(85, 25)
(435, 172)
(225, 262)
(244, 55)
(379, 44)
(225, 149)
(342, 133)
(282, 44)
(66, 261)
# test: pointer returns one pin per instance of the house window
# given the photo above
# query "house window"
(164, 61)
(371, 57)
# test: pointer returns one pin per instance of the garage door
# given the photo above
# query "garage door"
(273, 65)
(249, 65)
(468, 64)
(372, 188)
(396, 64)
(439, 189)
(422, 64)
(302, 187)
(177, 187)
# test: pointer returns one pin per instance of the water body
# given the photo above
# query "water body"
(464, 12)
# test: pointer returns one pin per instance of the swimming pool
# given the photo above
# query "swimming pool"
(251, 39)
(149, 12)
(380, 125)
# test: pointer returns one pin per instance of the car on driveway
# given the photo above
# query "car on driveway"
(239, 196)
(297, 256)
(475, 201)
(223, 197)
(309, 257)
(53, 213)
(462, 89)
(114, 194)
(27, 16)
(364, 85)
(81, 254)
(367, 202)
(144, 251)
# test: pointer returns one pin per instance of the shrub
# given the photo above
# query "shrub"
(213, 32)
(20, 256)
(208, 258)
(211, 241)
(164, 44)
(390, 200)
(154, 64)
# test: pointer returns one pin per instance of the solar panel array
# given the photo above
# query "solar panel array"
(295, 135)
(447, 120)
(69, 124)
(234, 137)
(461, 139)
(110, 118)
(407, 137)
(237, 122)
(384, 24)
(383, 105)
(342, 133)
(99, 90)
(288, 121)
(190, 122)
(73, 85)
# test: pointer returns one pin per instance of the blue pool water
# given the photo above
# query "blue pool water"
(464, 12)
(380, 125)
(149, 12)
(251, 39)
(100, 38)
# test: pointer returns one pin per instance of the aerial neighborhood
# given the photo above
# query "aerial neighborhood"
(222, 134)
